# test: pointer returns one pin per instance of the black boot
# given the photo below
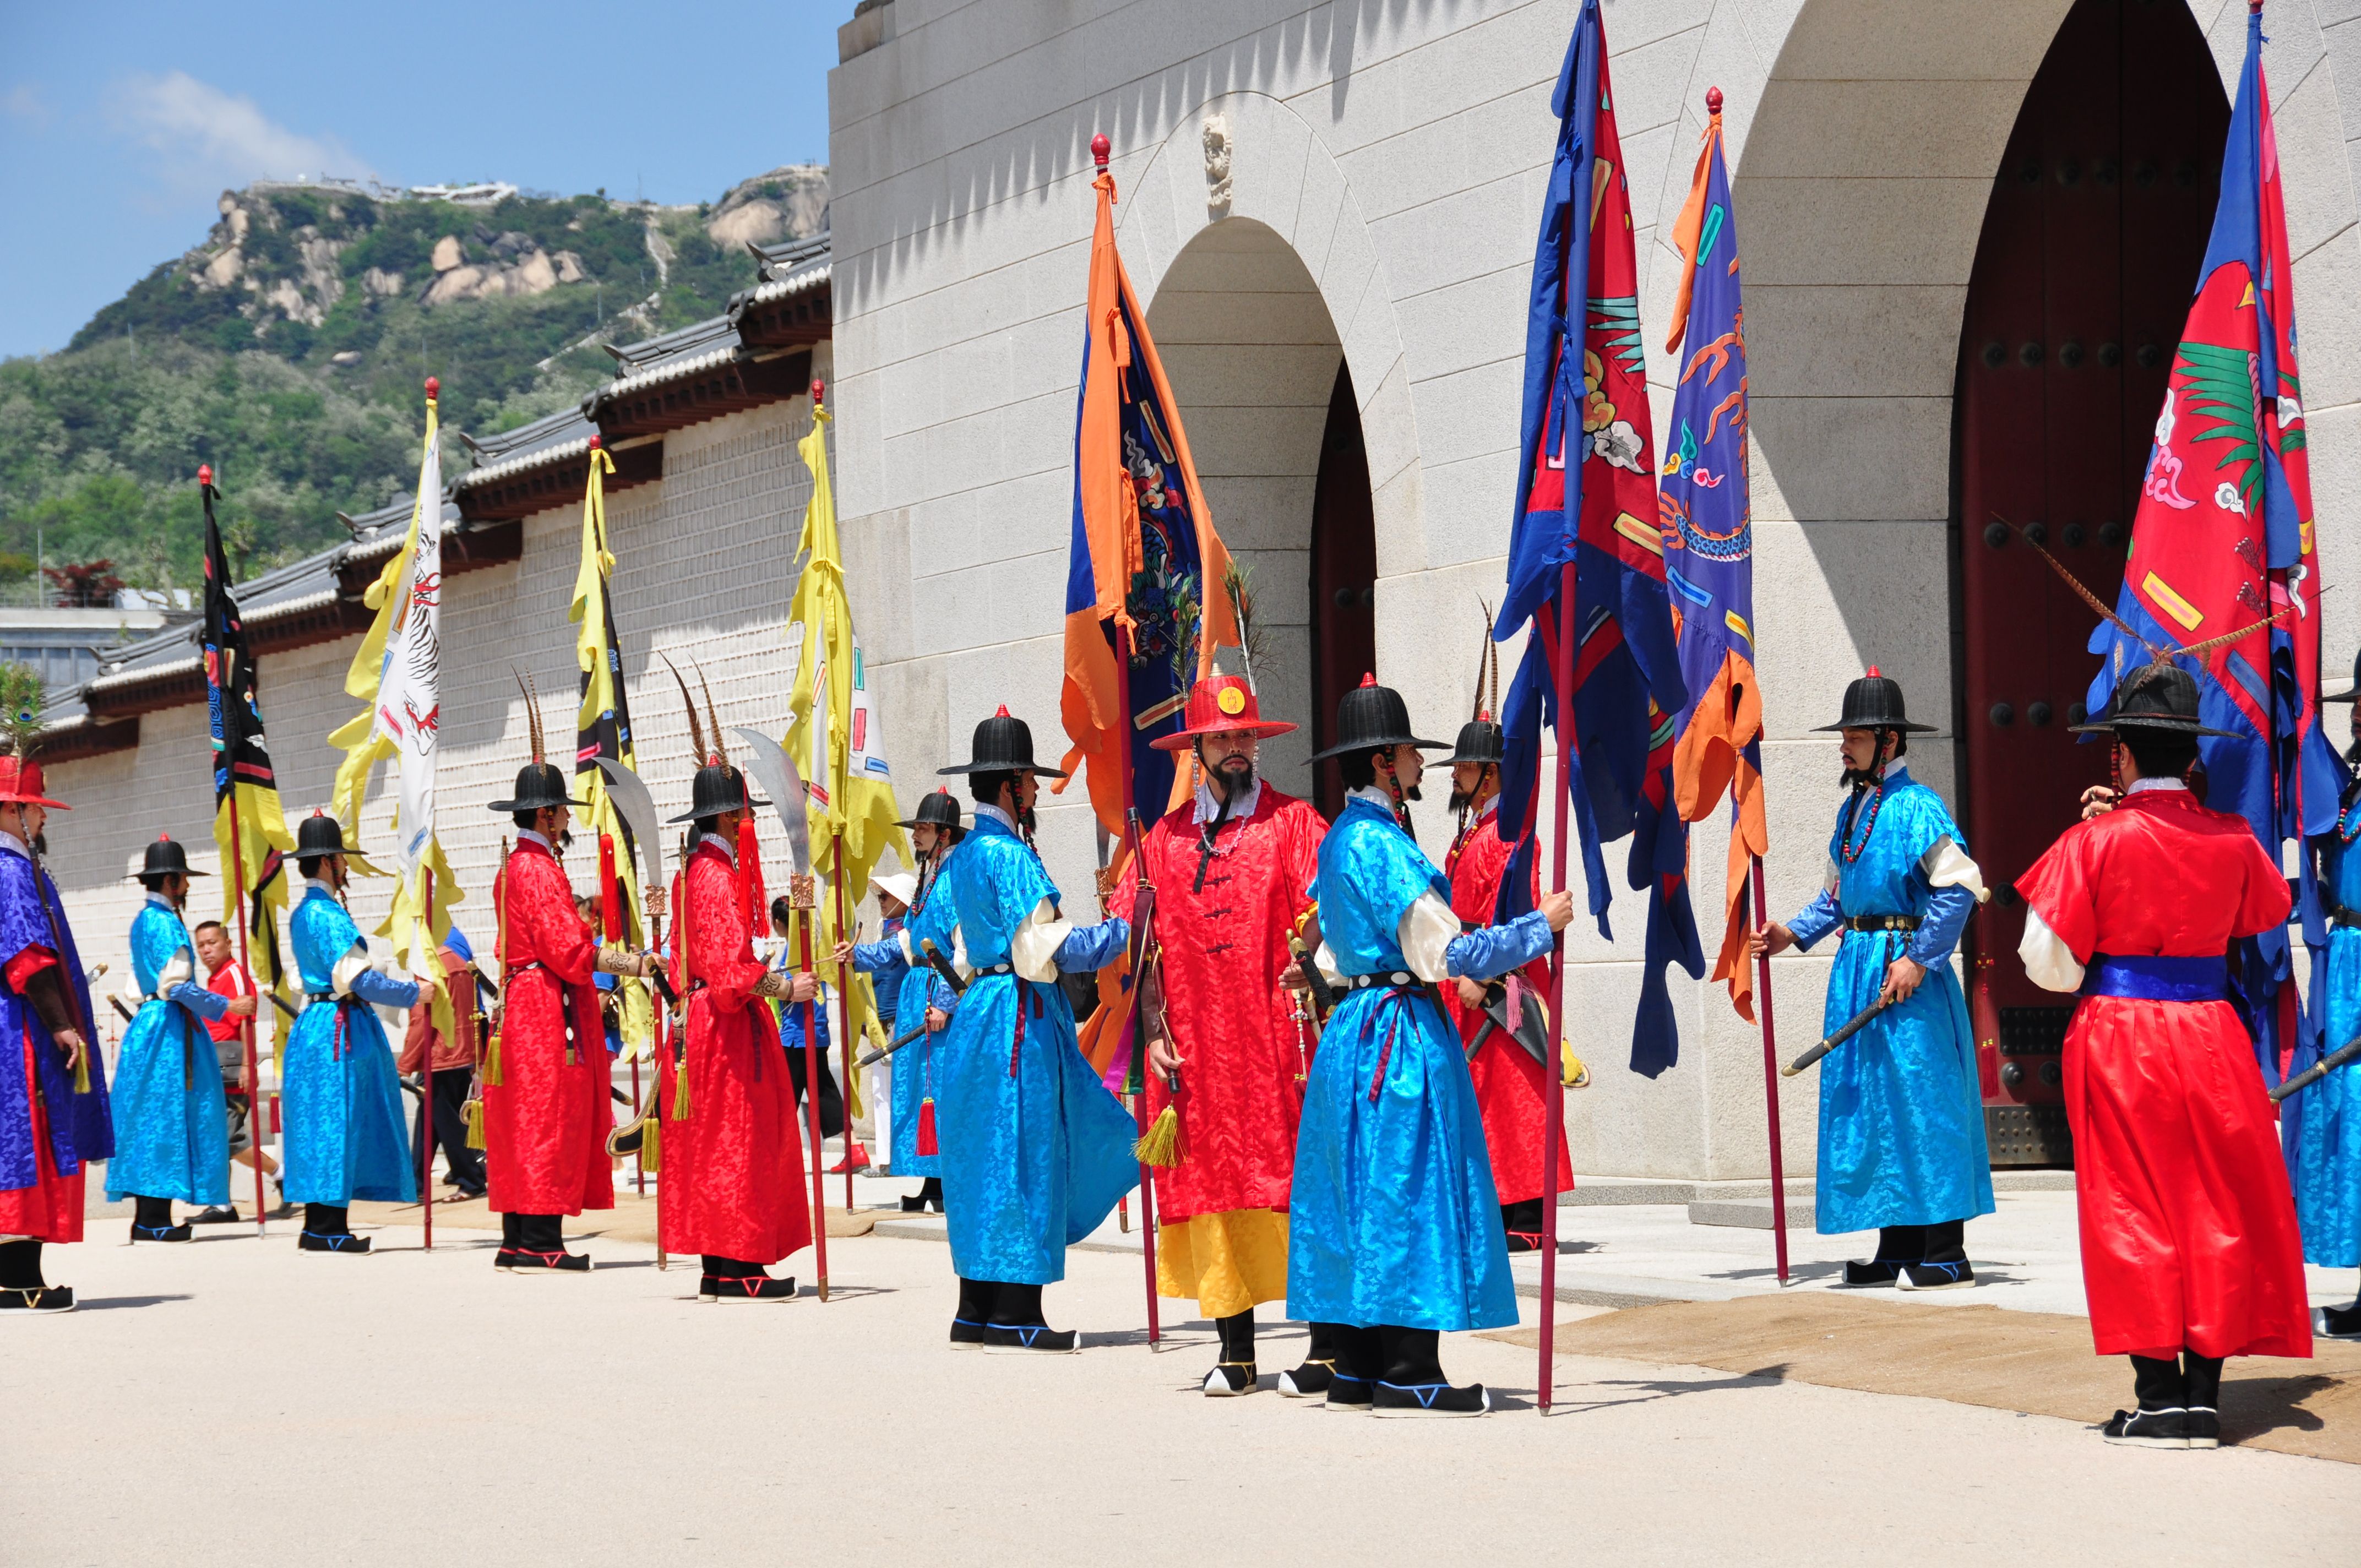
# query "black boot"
(1896, 1245)
(327, 1229)
(2201, 1388)
(509, 1232)
(1310, 1381)
(1360, 1362)
(151, 1221)
(928, 1196)
(21, 1290)
(1413, 1384)
(1016, 1327)
(1523, 1223)
(1944, 1263)
(975, 1302)
(2337, 1323)
(540, 1248)
(735, 1279)
(2161, 1420)
(1235, 1373)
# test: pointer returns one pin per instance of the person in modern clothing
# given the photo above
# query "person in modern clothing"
(228, 977)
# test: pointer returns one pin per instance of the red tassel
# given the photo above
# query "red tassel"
(750, 877)
(610, 892)
(926, 1127)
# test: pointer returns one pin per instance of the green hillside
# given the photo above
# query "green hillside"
(289, 350)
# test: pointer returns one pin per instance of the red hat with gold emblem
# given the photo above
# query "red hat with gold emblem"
(1220, 705)
(20, 785)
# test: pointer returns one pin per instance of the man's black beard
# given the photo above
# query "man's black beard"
(1236, 777)
(563, 842)
(1460, 800)
(1855, 778)
(41, 842)
(1413, 794)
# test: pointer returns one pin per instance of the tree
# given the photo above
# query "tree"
(84, 584)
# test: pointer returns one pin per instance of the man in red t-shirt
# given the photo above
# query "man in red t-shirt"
(227, 976)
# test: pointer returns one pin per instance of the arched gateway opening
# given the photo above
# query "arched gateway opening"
(2092, 239)
(1256, 367)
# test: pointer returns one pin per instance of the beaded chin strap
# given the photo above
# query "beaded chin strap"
(1875, 790)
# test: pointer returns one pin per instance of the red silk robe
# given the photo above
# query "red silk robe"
(51, 1209)
(731, 1181)
(1232, 1022)
(2189, 1230)
(545, 1123)
(1510, 1088)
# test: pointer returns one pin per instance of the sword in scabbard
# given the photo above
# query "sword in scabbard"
(1853, 1025)
(941, 966)
(2349, 1052)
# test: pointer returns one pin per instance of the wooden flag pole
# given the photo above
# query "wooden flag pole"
(253, 1068)
(426, 1067)
(1552, 1073)
(807, 906)
(1770, 1074)
(844, 1018)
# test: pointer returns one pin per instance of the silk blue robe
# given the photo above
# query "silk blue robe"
(171, 1126)
(2320, 1126)
(346, 1136)
(1902, 1120)
(81, 1128)
(1392, 1215)
(1034, 1157)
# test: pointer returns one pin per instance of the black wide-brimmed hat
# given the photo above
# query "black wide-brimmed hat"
(538, 784)
(939, 810)
(1002, 745)
(2154, 696)
(1874, 702)
(1481, 740)
(319, 835)
(166, 858)
(1372, 717)
(2353, 695)
(718, 787)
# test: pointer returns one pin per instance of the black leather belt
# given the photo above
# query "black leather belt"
(1395, 977)
(319, 997)
(1881, 923)
(2340, 916)
(998, 969)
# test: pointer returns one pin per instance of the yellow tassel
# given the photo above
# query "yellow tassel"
(82, 1072)
(1160, 1145)
(475, 1119)
(651, 1145)
(492, 1062)
(680, 1090)
(1574, 1074)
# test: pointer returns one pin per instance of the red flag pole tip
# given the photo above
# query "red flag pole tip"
(434, 389)
(204, 473)
(820, 392)
(1713, 100)
(2255, 7)
(1873, 672)
(1100, 147)
(597, 442)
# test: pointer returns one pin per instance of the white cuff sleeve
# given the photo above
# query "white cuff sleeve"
(1326, 961)
(1033, 950)
(1947, 865)
(354, 964)
(909, 953)
(1428, 929)
(1833, 879)
(2049, 963)
(180, 972)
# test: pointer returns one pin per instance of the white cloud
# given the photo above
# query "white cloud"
(204, 138)
(24, 101)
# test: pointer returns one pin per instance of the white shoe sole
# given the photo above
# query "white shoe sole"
(1288, 1390)
(1028, 1350)
(1395, 1413)
(1217, 1387)
(1947, 1285)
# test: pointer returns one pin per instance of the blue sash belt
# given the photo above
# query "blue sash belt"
(2159, 978)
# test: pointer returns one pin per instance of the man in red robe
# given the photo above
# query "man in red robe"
(2190, 1250)
(732, 1153)
(547, 1112)
(1509, 1088)
(1231, 869)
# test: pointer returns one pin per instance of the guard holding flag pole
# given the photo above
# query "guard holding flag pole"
(1231, 870)
(1035, 1151)
(53, 1084)
(1394, 1224)
(1902, 1124)
(2320, 1125)
(2190, 1245)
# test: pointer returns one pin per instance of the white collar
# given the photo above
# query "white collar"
(721, 842)
(1374, 796)
(319, 884)
(985, 808)
(1209, 806)
(1491, 804)
(526, 833)
(166, 904)
(14, 845)
(2139, 784)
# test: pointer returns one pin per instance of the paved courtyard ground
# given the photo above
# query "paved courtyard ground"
(233, 1401)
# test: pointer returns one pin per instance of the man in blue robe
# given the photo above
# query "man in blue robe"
(2322, 1124)
(912, 996)
(1035, 1151)
(1394, 1224)
(1901, 1121)
(345, 1133)
(171, 1121)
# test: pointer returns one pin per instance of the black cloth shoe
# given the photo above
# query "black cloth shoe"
(36, 1298)
(1431, 1399)
(217, 1215)
(2148, 1429)
(315, 1241)
(1523, 1222)
(914, 1203)
(140, 1233)
(2205, 1427)
(531, 1260)
(1524, 1241)
(1228, 1379)
(743, 1288)
(1308, 1381)
(1936, 1277)
(1870, 1276)
(1028, 1339)
(2337, 1323)
(1348, 1393)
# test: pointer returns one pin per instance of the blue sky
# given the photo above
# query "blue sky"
(121, 123)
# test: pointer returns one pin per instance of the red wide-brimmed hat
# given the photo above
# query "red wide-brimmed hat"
(20, 785)
(1220, 705)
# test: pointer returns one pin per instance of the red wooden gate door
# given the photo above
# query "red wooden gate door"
(2091, 241)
